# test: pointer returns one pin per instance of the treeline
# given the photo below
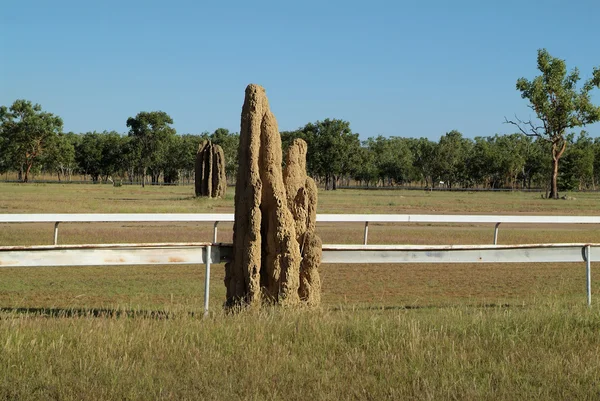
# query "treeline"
(514, 161)
(109, 156)
(32, 142)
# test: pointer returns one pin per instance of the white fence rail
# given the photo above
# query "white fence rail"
(213, 252)
(216, 218)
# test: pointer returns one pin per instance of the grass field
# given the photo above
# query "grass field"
(384, 332)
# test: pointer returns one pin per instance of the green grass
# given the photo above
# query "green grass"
(469, 332)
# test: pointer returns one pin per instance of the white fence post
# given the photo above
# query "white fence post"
(56, 233)
(208, 251)
(215, 232)
(496, 233)
(588, 265)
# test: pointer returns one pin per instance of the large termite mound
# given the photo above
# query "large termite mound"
(276, 252)
(211, 180)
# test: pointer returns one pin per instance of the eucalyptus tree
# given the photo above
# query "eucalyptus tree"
(482, 167)
(88, 154)
(451, 158)
(510, 155)
(364, 169)
(113, 158)
(150, 133)
(596, 167)
(60, 156)
(332, 147)
(393, 159)
(27, 131)
(577, 171)
(423, 153)
(558, 105)
(174, 162)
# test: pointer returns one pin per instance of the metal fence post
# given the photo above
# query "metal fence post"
(215, 232)
(496, 233)
(366, 232)
(207, 279)
(56, 232)
(588, 265)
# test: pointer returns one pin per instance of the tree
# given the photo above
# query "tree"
(510, 155)
(131, 159)
(174, 160)
(113, 159)
(423, 151)
(482, 164)
(331, 149)
(558, 106)
(151, 132)
(393, 159)
(451, 158)
(364, 170)
(88, 154)
(27, 131)
(60, 155)
(6, 149)
(577, 172)
(596, 165)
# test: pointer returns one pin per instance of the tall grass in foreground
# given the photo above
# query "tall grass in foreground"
(542, 352)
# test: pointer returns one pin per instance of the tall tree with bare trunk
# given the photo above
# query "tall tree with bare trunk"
(558, 104)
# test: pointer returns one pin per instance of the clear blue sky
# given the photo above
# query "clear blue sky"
(392, 68)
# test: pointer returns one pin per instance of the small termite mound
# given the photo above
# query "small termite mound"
(302, 202)
(271, 234)
(211, 180)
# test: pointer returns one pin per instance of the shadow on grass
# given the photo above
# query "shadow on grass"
(92, 312)
(106, 313)
(173, 198)
(420, 307)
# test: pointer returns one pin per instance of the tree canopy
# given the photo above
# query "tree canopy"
(27, 132)
(151, 132)
(332, 148)
(558, 104)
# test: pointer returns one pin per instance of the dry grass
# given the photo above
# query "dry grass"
(452, 331)
(544, 352)
(59, 198)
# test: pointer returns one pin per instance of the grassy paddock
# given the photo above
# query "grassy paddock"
(498, 331)
(542, 352)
